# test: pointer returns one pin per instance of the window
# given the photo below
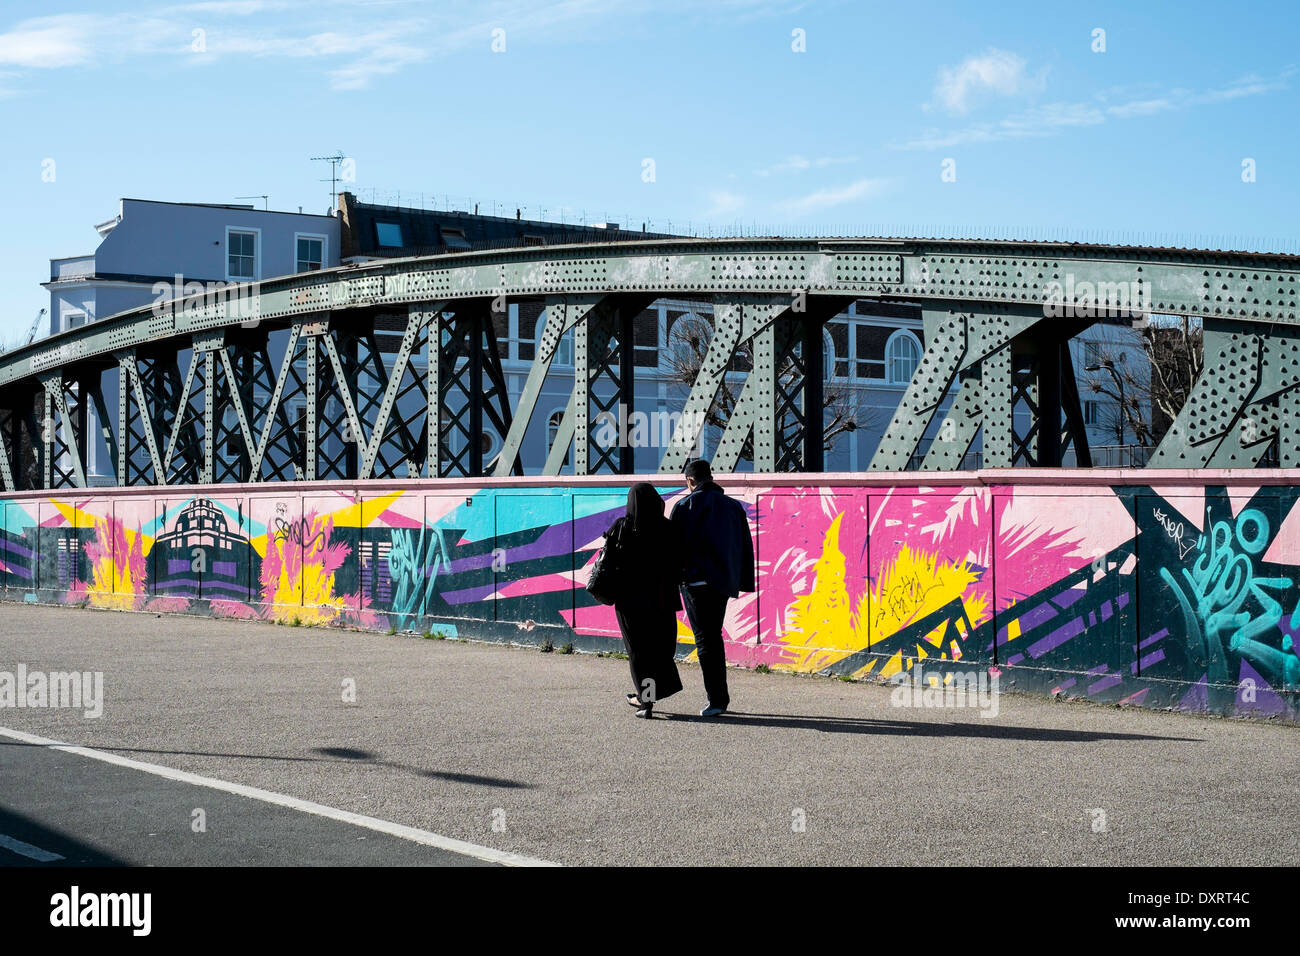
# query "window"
(645, 339)
(388, 235)
(1091, 353)
(869, 350)
(524, 321)
(490, 445)
(563, 351)
(241, 254)
(74, 319)
(902, 356)
(837, 358)
(310, 252)
(454, 238)
(1091, 413)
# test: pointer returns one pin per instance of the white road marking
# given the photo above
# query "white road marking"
(26, 849)
(414, 834)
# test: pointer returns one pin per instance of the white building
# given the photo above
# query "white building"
(153, 250)
(150, 242)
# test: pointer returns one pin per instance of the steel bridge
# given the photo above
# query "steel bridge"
(998, 317)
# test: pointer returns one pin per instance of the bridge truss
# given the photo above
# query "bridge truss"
(998, 318)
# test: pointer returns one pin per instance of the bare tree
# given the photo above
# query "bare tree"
(688, 344)
(1146, 395)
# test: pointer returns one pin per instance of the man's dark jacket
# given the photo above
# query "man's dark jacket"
(715, 534)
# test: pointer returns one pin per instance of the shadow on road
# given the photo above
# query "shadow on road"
(327, 755)
(74, 852)
(865, 725)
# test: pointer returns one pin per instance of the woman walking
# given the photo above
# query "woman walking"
(649, 557)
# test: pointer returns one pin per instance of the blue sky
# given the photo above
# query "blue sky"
(1047, 137)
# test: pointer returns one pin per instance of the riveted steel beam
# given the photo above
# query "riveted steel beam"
(1238, 293)
(604, 377)
(1243, 407)
(958, 342)
(8, 419)
(562, 314)
(419, 319)
(63, 442)
(274, 412)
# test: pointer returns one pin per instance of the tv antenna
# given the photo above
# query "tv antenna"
(265, 204)
(334, 162)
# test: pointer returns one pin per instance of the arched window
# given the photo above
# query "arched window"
(902, 356)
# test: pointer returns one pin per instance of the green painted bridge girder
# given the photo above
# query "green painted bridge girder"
(998, 319)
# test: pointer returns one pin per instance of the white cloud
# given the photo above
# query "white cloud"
(353, 42)
(995, 71)
(1054, 118)
(723, 203)
(830, 198)
(48, 42)
(798, 164)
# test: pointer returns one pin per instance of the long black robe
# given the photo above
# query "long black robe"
(650, 558)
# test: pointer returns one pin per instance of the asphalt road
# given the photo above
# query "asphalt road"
(510, 749)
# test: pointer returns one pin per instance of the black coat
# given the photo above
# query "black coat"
(718, 545)
(650, 563)
(646, 547)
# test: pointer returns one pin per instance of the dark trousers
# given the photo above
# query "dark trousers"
(705, 608)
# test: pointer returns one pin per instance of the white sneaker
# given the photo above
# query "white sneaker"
(711, 711)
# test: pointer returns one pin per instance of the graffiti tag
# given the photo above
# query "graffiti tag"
(299, 532)
(1175, 531)
(903, 599)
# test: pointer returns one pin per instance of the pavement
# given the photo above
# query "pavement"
(307, 746)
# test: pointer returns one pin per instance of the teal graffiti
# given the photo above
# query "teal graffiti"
(1219, 585)
(414, 560)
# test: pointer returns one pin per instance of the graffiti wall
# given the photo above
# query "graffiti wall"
(1174, 596)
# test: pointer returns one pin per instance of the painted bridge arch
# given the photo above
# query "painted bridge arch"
(998, 318)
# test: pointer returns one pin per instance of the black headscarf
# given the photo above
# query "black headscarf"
(645, 509)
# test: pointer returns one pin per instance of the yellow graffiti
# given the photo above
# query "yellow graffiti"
(826, 625)
(914, 585)
(823, 625)
(304, 588)
(113, 583)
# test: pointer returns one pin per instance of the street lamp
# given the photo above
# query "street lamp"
(1109, 366)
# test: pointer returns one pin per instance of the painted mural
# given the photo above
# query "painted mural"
(1182, 597)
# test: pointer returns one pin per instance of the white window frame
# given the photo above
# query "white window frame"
(550, 438)
(889, 358)
(324, 248)
(67, 318)
(828, 354)
(256, 232)
(559, 346)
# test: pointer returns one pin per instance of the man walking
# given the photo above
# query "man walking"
(719, 564)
